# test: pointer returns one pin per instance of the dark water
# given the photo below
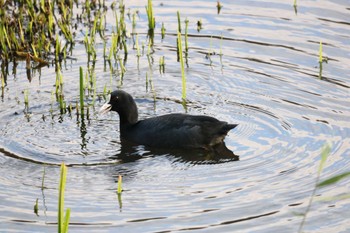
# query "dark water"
(267, 81)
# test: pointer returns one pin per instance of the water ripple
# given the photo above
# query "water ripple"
(267, 81)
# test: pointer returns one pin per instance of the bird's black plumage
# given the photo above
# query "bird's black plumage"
(167, 131)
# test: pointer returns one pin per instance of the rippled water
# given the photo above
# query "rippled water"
(267, 81)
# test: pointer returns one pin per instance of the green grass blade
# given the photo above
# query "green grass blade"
(334, 198)
(151, 20)
(66, 221)
(182, 66)
(333, 179)
(36, 207)
(320, 56)
(324, 155)
(178, 22)
(81, 88)
(62, 186)
(120, 181)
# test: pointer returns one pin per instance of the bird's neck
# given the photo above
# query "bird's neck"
(128, 118)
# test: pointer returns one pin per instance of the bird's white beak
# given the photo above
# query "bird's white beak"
(105, 108)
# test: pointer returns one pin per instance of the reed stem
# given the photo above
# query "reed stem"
(179, 41)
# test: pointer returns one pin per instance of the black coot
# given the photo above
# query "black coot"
(171, 131)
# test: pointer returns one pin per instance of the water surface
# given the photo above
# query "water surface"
(267, 81)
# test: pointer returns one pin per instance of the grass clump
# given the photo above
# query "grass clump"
(151, 21)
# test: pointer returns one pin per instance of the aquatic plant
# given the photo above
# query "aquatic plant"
(119, 192)
(81, 91)
(120, 180)
(179, 41)
(90, 48)
(324, 154)
(321, 60)
(33, 27)
(218, 6)
(133, 22)
(199, 25)
(69, 109)
(320, 53)
(151, 19)
(178, 22)
(163, 30)
(295, 6)
(66, 31)
(330, 181)
(36, 207)
(149, 55)
(161, 65)
(220, 52)
(295, 3)
(186, 36)
(26, 100)
(63, 218)
(122, 68)
(2, 77)
(335, 179)
(210, 51)
(138, 51)
(186, 41)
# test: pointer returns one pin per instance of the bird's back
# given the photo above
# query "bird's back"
(177, 131)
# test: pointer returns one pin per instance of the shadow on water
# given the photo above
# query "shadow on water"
(130, 152)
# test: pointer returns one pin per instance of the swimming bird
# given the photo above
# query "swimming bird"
(171, 131)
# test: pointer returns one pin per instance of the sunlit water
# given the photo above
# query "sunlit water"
(267, 81)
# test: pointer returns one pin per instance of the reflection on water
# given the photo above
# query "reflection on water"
(130, 153)
(253, 64)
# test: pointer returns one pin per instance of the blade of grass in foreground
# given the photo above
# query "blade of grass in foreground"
(63, 221)
(333, 179)
(324, 155)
